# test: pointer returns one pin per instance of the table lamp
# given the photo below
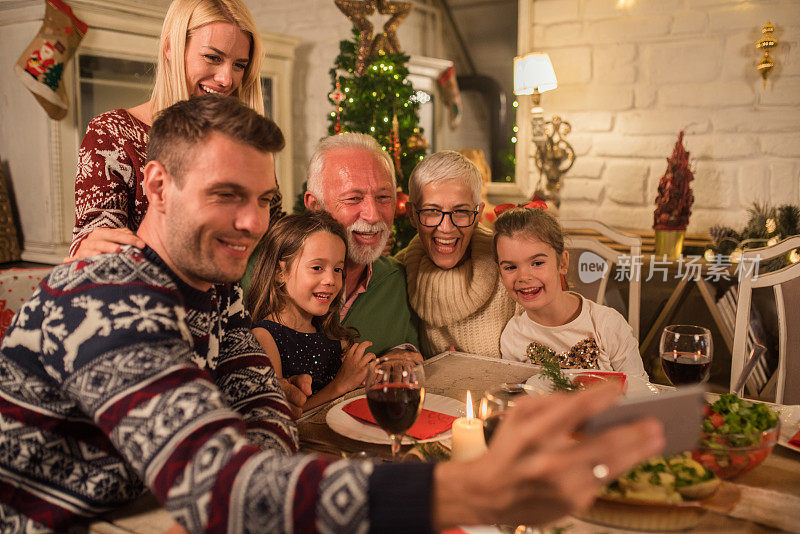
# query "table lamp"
(534, 75)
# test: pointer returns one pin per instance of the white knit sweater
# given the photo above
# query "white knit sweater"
(465, 307)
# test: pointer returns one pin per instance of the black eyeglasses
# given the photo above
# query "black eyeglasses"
(432, 217)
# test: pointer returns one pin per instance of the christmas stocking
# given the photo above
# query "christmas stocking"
(452, 96)
(41, 65)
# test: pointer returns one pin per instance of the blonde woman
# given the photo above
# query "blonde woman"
(206, 46)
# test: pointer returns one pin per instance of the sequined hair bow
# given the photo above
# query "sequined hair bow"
(536, 203)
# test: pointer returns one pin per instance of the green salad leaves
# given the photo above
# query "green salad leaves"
(742, 422)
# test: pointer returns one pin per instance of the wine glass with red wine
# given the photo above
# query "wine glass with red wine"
(686, 352)
(395, 393)
(497, 401)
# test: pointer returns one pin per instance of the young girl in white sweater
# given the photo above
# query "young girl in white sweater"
(529, 246)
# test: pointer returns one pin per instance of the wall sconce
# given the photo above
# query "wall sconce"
(534, 75)
(766, 43)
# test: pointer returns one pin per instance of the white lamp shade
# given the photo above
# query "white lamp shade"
(533, 71)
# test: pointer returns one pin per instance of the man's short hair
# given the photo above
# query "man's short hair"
(185, 124)
(341, 141)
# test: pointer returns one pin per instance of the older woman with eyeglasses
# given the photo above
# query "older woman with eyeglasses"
(453, 280)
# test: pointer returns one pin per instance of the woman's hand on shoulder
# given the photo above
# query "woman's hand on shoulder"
(355, 364)
(105, 241)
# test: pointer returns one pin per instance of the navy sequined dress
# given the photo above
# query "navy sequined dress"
(314, 354)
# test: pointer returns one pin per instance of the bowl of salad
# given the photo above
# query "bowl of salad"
(737, 436)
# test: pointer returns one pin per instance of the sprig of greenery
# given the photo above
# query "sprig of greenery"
(551, 369)
(433, 451)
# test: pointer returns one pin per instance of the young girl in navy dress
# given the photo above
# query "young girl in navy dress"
(294, 300)
(529, 244)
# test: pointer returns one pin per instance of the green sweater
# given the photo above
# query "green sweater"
(381, 314)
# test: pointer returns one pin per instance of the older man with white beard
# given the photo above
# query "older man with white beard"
(352, 178)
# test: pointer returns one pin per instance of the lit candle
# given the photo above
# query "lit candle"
(468, 440)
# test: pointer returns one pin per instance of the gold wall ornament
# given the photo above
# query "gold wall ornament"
(766, 43)
(554, 155)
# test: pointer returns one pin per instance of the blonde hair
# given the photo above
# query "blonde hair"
(182, 19)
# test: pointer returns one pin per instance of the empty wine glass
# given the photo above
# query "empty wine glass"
(395, 393)
(497, 401)
(686, 353)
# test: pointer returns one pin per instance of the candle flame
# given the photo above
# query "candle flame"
(470, 411)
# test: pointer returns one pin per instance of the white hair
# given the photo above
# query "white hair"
(445, 166)
(345, 140)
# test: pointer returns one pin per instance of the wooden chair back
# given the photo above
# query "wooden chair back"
(596, 291)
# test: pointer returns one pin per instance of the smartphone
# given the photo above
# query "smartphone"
(679, 410)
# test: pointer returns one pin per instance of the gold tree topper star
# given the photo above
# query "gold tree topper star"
(357, 11)
(388, 40)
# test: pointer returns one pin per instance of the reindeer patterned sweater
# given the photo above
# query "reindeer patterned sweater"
(116, 376)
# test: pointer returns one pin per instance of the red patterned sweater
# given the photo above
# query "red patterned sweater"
(108, 185)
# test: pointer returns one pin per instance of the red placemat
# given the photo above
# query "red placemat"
(428, 424)
(795, 440)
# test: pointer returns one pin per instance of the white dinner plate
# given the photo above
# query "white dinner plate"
(637, 387)
(790, 424)
(350, 427)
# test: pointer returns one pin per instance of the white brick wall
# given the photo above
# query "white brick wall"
(631, 78)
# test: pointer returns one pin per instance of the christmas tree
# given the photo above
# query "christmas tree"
(674, 200)
(382, 103)
(53, 76)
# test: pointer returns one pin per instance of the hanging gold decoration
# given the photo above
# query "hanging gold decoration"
(766, 43)
(388, 41)
(357, 11)
(395, 138)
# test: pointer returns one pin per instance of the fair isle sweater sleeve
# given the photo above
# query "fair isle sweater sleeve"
(245, 376)
(109, 174)
(123, 352)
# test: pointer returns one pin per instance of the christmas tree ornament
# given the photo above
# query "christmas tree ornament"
(337, 126)
(396, 145)
(357, 11)
(41, 65)
(673, 202)
(402, 204)
(337, 96)
(766, 43)
(417, 140)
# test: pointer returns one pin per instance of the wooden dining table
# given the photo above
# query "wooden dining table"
(768, 497)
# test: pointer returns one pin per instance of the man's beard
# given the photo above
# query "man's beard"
(364, 254)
